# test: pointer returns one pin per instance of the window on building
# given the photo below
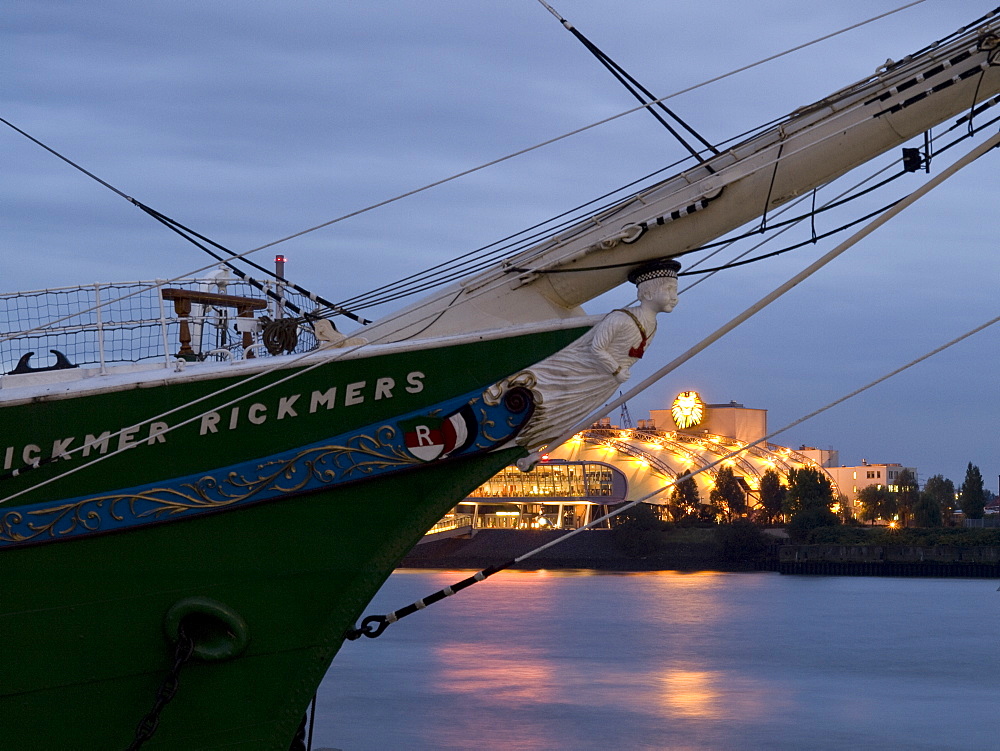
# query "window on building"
(549, 480)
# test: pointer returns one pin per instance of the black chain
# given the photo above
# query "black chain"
(147, 726)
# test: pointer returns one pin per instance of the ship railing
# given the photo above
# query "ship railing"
(104, 325)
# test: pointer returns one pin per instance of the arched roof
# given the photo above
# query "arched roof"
(651, 458)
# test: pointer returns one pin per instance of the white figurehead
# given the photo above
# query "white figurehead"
(656, 285)
(578, 379)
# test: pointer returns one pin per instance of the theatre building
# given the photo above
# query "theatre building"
(607, 465)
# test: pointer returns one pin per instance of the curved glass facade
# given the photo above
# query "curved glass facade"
(568, 480)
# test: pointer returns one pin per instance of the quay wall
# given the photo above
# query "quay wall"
(591, 549)
(596, 549)
(890, 560)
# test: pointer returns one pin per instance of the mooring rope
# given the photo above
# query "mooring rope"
(373, 626)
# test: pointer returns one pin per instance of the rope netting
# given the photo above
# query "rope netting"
(127, 323)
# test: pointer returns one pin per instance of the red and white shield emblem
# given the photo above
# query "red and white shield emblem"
(429, 438)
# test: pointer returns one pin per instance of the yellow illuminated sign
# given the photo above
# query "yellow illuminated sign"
(687, 410)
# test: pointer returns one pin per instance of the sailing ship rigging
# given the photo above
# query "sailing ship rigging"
(259, 502)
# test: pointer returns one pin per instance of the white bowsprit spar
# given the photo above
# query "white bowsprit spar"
(812, 146)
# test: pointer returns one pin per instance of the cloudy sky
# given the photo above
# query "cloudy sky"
(253, 121)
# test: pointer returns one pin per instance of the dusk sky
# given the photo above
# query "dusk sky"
(253, 121)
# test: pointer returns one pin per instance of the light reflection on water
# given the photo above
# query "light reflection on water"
(578, 660)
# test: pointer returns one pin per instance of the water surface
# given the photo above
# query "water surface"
(667, 660)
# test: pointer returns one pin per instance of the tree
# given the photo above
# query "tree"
(906, 496)
(808, 488)
(708, 512)
(876, 503)
(971, 496)
(845, 508)
(685, 501)
(927, 511)
(772, 497)
(942, 491)
(808, 501)
(728, 496)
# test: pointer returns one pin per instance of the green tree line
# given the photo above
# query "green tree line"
(808, 501)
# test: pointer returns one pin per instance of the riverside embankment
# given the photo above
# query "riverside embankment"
(592, 549)
(703, 550)
(890, 560)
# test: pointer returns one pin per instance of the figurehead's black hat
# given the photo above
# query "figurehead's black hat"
(664, 267)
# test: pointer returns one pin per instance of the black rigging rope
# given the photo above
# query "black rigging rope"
(189, 235)
(482, 257)
(425, 280)
(756, 231)
(647, 98)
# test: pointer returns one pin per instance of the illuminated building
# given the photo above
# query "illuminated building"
(607, 465)
(853, 479)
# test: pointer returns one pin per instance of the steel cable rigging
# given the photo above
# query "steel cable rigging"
(423, 281)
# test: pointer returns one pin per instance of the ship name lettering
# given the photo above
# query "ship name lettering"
(31, 453)
(327, 398)
(156, 431)
(257, 414)
(352, 394)
(210, 423)
(59, 448)
(126, 438)
(383, 388)
(415, 381)
(286, 407)
(99, 442)
(62, 448)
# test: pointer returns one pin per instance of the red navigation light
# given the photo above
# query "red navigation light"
(279, 259)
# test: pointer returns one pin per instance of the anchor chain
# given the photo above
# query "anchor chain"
(147, 726)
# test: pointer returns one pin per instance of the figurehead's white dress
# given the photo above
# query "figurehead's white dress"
(575, 381)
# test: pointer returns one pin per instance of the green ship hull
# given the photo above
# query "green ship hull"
(284, 575)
